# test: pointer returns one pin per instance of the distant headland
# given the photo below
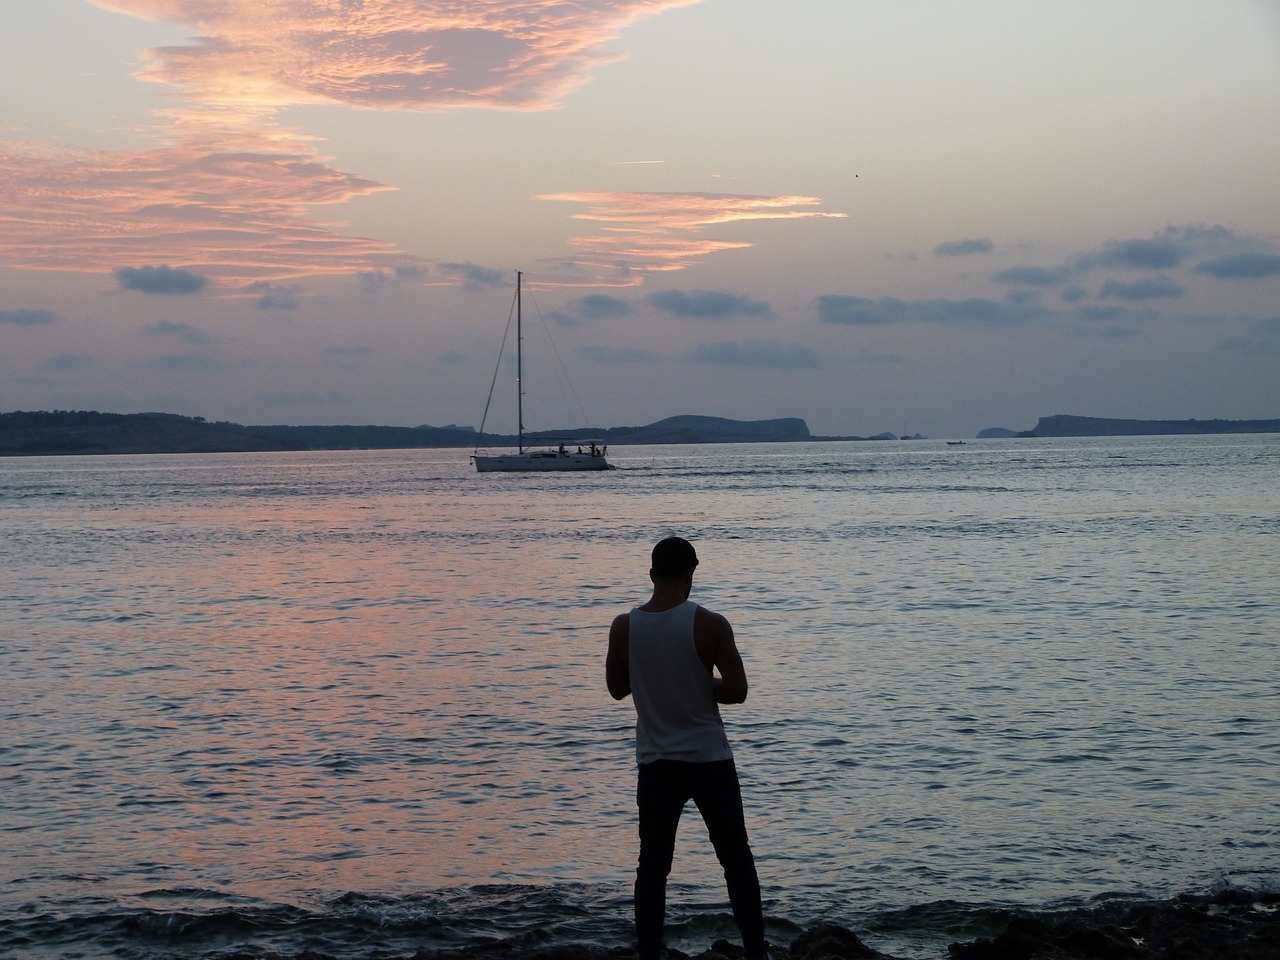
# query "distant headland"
(63, 432)
(1065, 425)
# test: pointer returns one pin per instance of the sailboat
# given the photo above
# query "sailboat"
(564, 455)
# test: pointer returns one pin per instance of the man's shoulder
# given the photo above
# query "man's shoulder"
(709, 617)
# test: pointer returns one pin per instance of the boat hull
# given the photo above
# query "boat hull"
(538, 462)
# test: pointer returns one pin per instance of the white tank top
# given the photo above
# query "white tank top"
(677, 717)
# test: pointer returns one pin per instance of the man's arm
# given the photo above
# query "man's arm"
(714, 635)
(617, 670)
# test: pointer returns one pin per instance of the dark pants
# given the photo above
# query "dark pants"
(664, 788)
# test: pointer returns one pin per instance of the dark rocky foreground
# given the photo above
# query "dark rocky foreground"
(1229, 926)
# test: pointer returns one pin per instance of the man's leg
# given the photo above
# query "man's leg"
(660, 796)
(719, 800)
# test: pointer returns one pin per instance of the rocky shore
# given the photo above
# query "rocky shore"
(1228, 926)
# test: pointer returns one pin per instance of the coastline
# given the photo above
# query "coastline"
(1234, 924)
(1066, 425)
(90, 433)
(1231, 924)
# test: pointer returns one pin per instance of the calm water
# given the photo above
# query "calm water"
(354, 702)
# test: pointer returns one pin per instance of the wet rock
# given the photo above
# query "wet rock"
(1230, 926)
(724, 950)
(1026, 939)
(830, 942)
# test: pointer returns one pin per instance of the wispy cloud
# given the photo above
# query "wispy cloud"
(273, 296)
(594, 306)
(402, 54)
(964, 248)
(27, 318)
(1252, 265)
(1081, 320)
(709, 304)
(229, 194)
(185, 332)
(232, 213)
(1034, 276)
(473, 276)
(1157, 253)
(759, 353)
(1221, 253)
(65, 363)
(651, 232)
(1144, 288)
(1166, 249)
(969, 312)
(163, 280)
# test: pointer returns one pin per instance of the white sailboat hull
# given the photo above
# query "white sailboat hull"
(537, 461)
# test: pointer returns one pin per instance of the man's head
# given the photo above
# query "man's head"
(673, 559)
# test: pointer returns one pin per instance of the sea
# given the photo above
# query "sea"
(352, 703)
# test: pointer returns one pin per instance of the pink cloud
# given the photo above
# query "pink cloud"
(233, 215)
(653, 232)
(227, 194)
(402, 54)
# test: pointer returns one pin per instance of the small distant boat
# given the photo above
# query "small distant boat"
(955, 443)
(557, 457)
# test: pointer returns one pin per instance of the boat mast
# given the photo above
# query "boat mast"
(519, 370)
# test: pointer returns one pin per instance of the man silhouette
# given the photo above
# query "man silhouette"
(666, 654)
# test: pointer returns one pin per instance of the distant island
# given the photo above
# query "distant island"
(63, 432)
(1065, 425)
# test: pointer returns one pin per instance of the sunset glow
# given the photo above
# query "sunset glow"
(949, 217)
(387, 54)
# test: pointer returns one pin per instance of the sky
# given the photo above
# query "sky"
(917, 216)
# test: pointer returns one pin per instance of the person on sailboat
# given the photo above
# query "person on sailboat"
(666, 654)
